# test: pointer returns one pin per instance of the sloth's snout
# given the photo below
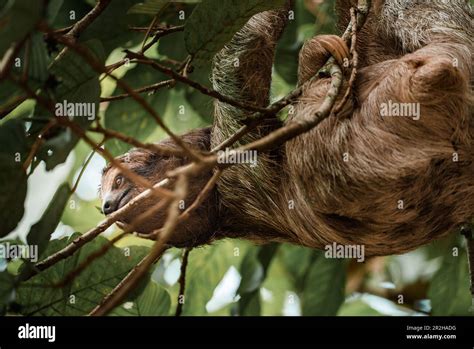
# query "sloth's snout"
(110, 204)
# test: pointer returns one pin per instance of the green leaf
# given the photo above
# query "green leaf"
(54, 6)
(172, 46)
(205, 36)
(7, 282)
(17, 20)
(78, 83)
(65, 13)
(111, 27)
(297, 261)
(34, 56)
(40, 233)
(449, 289)
(202, 104)
(206, 268)
(324, 286)
(253, 270)
(39, 296)
(12, 193)
(149, 7)
(153, 301)
(127, 116)
(14, 140)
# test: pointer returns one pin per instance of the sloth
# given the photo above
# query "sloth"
(368, 175)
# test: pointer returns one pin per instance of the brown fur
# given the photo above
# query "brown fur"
(390, 158)
(154, 167)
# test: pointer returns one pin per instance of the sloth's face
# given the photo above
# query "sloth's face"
(117, 190)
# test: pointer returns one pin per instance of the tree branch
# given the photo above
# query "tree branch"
(141, 59)
(153, 88)
(117, 295)
(97, 66)
(182, 281)
(85, 21)
(355, 63)
(159, 149)
(84, 166)
(80, 241)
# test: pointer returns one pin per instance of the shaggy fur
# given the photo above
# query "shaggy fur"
(154, 167)
(388, 182)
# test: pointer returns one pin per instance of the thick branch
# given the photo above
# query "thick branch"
(91, 234)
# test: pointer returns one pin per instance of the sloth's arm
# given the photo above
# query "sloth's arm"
(243, 71)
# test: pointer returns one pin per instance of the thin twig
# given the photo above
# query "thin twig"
(73, 274)
(279, 136)
(153, 88)
(37, 143)
(117, 215)
(276, 138)
(84, 166)
(355, 64)
(141, 59)
(97, 66)
(64, 121)
(145, 216)
(160, 34)
(114, 298)
(131, 175)
(147, 33)
(202, 196)
(80, 241)
(242, 131)
(6, 63)
(85, 21)
(182, 281)
(157, 148)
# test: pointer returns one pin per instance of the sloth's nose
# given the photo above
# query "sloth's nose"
(109, 205)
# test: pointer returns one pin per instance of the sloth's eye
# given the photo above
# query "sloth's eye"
(118, 181)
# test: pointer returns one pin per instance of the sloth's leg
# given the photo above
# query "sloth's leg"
(436, 76)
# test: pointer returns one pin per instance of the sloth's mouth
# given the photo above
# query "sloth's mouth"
(124, 199)
(122, 225)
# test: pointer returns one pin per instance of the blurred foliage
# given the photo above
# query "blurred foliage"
(230, 277)
(41, 296)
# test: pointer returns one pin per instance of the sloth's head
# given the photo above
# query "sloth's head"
(117, 190)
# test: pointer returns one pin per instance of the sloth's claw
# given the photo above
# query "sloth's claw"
(336, 47)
